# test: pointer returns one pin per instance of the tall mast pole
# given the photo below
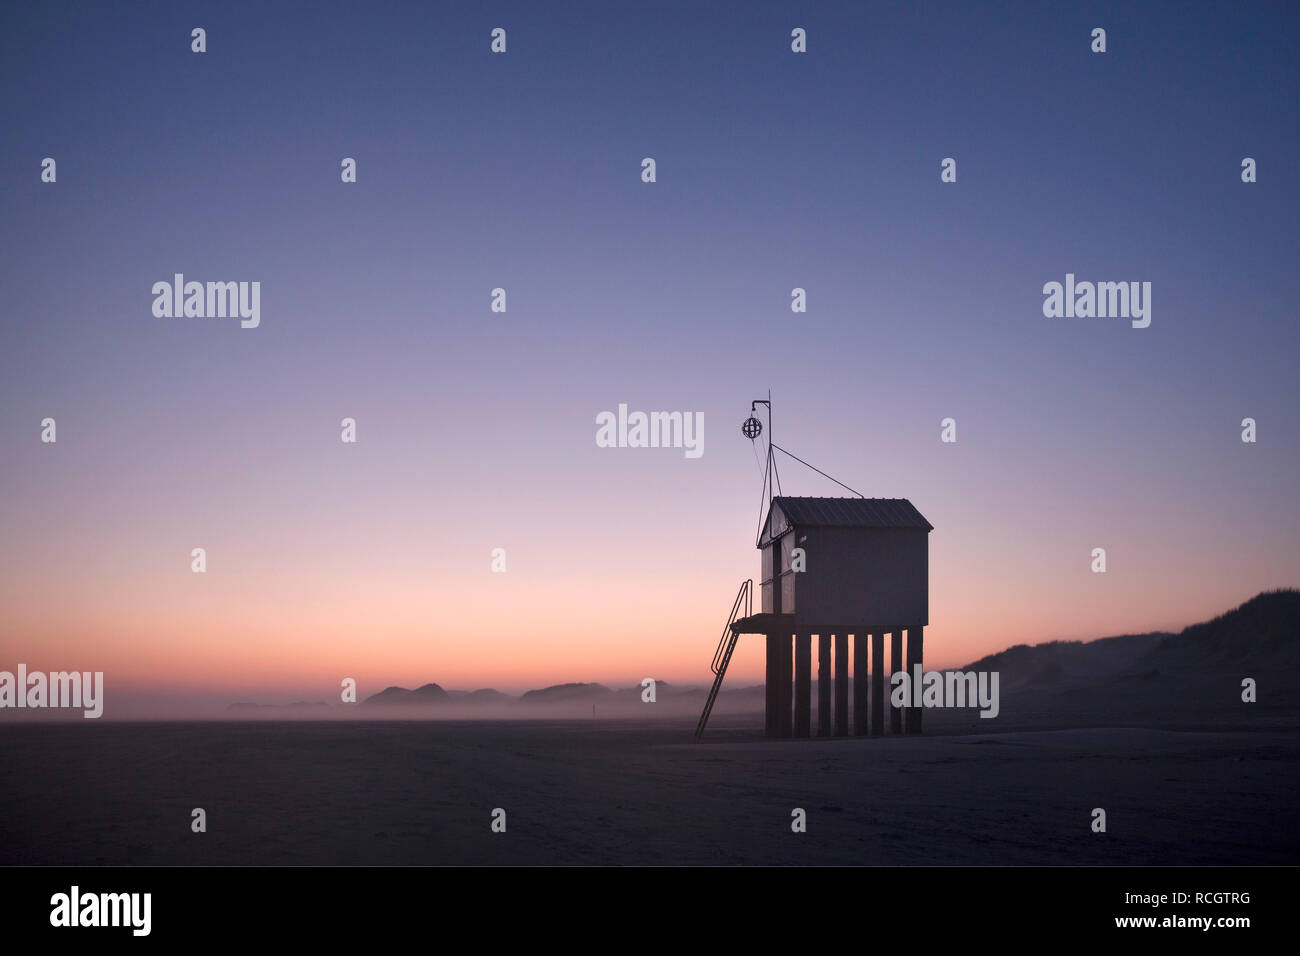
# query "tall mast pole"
(770, 451)
(752, 428)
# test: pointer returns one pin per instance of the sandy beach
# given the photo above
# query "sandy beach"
(639, 792)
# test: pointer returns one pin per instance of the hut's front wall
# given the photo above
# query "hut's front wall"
(862, 576)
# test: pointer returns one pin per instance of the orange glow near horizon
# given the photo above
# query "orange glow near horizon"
(231, 632)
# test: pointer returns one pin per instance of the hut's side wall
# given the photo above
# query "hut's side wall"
(863, 576)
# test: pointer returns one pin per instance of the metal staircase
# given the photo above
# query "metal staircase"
(726, 645)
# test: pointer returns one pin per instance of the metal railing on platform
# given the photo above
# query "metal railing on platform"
(726, 646)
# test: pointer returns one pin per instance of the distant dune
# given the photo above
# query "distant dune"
(556, 701)
(484, 698)
(558, 693)
(573, 699)
(401, 697)
(1263, 633)
(1058, 662)
(1191, 679)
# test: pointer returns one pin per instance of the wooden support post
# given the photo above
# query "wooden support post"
(841, 685)
(824, 685)
(877, 684)
(860, 684)
(784, 647)
(895, 665)
(802, 684)
(915, 642)
(769, 686)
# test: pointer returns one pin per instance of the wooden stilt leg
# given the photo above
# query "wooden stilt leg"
(785, 660)
(895, 664)
(802, 684)
(823, 685)
(841, 685)
(861, 682)
(877, 684)
(770, 685)
(915, 643)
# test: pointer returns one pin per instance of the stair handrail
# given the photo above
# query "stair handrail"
(745, 598)
(726, 645)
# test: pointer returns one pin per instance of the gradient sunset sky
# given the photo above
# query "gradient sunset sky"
(477, 430)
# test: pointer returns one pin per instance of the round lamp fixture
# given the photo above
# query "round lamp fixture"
(752, 428)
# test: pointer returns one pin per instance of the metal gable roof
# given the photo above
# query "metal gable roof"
(850, 513)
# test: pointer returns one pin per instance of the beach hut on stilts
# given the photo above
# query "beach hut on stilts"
(837, 573)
